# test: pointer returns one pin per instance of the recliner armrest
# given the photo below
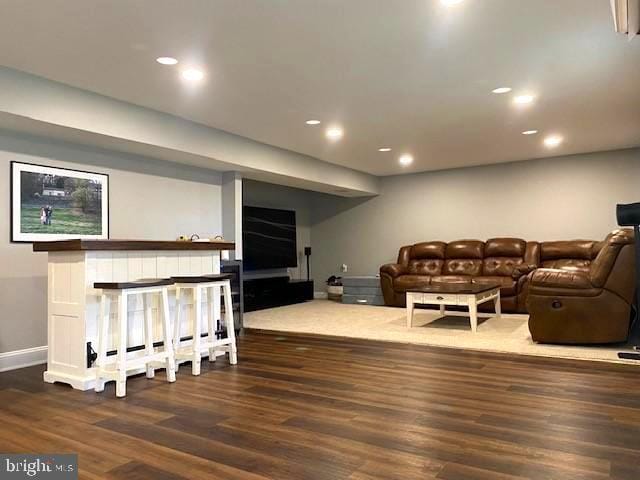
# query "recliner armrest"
(393, 269)
(556, 278)
(522, 270)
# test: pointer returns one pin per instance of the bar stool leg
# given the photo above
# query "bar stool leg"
(216, 306)
(212, 319)
(228, 321)
(121, 382)
(197, 321)
(176, 323)
(103, 329)
(166, 333)
(148, 331)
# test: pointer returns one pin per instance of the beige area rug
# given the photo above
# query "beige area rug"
(509, 334)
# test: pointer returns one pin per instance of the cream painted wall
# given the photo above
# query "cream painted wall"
(260, 194)
(554, 198)
(149, 199)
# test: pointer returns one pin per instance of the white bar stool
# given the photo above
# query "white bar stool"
(119, 292)
(211, 284)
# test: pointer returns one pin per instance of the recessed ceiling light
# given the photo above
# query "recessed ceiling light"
(192, 74)
(530, 132)
(405, 160)
(167, 60)
(501, 90)
(312, 122)
(523, 99)
(384, 149)
(450, 2)
(334, 133)
(553, 141)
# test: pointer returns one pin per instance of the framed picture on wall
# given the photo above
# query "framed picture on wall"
(50, 203)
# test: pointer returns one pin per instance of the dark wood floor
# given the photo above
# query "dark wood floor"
(304, 407)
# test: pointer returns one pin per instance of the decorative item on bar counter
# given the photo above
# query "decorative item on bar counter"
(196, 238)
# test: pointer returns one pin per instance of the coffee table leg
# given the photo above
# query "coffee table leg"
(473, 314)
(409, 310)
(496, 304)
(442, 312)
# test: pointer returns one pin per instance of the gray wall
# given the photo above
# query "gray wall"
(149, 199)
(554, 198)
(260, 194)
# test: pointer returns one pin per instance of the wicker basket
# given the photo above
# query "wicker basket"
(334, 292)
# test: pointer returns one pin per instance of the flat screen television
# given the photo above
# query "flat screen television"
(268, 238)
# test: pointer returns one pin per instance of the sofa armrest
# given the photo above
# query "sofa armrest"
(523, 270)
(556, 278)
(393, 269)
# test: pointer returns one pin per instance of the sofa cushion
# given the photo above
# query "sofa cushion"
(552, 278)
(574, 255)
(457, 266)
(575, 249)
(450, 279)
(425, 267)
(472, 249)
(572, 264)
(464, 257)
(504, 247)
(502, 255)
(508, 286)
(408, 282)
(424, 250)
(500, 266)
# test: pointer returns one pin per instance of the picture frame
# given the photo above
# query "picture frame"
(52, 203)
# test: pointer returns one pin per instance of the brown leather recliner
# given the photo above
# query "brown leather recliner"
(573, 255)
(505, 261)
(584, 291)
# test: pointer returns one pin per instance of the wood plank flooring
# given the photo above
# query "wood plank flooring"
(311, 407)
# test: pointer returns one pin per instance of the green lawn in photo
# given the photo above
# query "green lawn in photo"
(65, 220)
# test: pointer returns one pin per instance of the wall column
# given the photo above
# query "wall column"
(232, 210)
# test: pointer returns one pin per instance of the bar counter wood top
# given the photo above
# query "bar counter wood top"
(74, 267)
(85, 245)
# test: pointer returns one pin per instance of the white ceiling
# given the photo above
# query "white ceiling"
(413, 75)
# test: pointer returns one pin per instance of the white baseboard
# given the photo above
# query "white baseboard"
(320, 295)
(23, 358)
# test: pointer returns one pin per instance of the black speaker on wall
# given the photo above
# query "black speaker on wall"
(629, 216)
(307, 252)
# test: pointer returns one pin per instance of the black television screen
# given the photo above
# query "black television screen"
(268, 238)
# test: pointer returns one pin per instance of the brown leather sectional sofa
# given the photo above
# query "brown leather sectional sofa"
(465, 261)
(578, 291)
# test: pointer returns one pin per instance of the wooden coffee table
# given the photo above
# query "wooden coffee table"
(466, 294)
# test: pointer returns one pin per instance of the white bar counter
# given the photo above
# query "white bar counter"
(74, 266)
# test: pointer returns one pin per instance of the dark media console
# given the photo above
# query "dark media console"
(261, 293)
